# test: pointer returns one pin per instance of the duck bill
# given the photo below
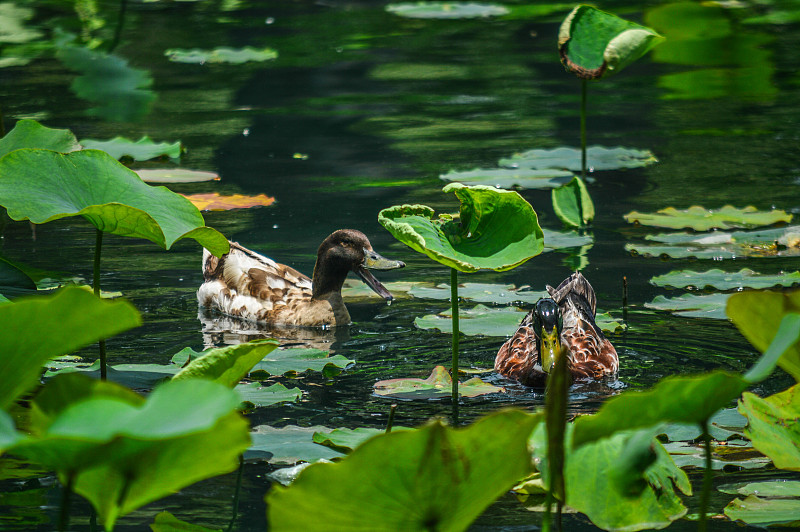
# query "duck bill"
(549, 348)
(375, 261)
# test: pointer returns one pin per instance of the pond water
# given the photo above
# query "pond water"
(362, 110)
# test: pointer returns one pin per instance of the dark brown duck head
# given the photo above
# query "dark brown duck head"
(344, 251)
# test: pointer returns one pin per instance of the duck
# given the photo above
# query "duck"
(561, 323)
(246, 285)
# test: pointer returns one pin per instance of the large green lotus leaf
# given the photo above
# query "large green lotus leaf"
(779, 242)
(42, 185)
(289, 445)
(480, 292)
(495, 229)
(722, 280)
(774, 426)
(771, 488)
(593, 43)
(255, 395)
(346, 440)
(166, 522)
(298, 360)
(759, 315)
(764, 512)
(597, 158)
(434, 478)
(572, 203)
(72, 317)
(31, 134)
(227, 365)
(447, 10)
(702, 219)
(438, 385)
(509, 179)
(693, 399)
(692, 306)
(223, 54)
(141, 150)
(688, 455)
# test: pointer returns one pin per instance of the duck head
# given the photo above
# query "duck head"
(547, 325)
(344, 251)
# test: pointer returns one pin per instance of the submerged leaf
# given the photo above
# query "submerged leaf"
(597, 158)
(214, 202)
(722, 280)
(31, 134)
(437, 385)
(223, 54)
(702, 219)
(692, 306)
(509, 179)
(447, 10)
(140, 150)
(572, 203)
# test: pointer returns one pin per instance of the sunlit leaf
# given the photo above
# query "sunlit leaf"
(175, 175)
(497, 294)
(166, 522)
(438, 385)
(447, 10)
(136, 376)
(455, 474)
(597, 158)
(215, 202)
(223, 54)
(722, 280)
(140, 150)
(288, 445)
(31, 134)
(256, 396)
(572, 203)
(779, 242)
(774, 426)
(771, 488)
(764, 512)
(346, 440)
(692, 306)
(356, 289)
(509, 179)
(702, 219)
(226, 365)
(13, 28)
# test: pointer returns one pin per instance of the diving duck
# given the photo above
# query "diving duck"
(250, 286)
(566, 318)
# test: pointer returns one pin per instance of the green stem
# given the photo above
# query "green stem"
(98, 246)
(66, 493)
(705, 495)
(583, 128)
(548, 505)
(236, 493)
(391, 418)
(454, 373)
(123, 7)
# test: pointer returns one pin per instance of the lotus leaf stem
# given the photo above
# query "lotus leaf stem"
(236, 493)
(66, 495)
(98, 246)
(454, 306)
(583, 128)
(390, 422)
(702, 524)
(123, 8)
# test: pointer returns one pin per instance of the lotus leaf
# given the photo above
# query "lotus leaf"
(597, 158)
(166, 522)
(14, 281)
(140, 150)
(223, 54)
(773, 488)
(764, 512)
(8, 433)
(175, 175)
(687, 455)
(136, 376)
(724, 425)
(722, 280)
(399, 289)
(435, 477)
(509, 179)
(774, 425)
(256, 396)
(42, 185)
(481, 292)
(72, 317)
(447, 10)
(346, 440)
(289, 445)
(31, 134)
(215, 202)
(495, 229)
(692, 306)
(593, 43)
(564, 239)
(12, 29)
(226, 365)
(298, 360)
(438, 385)
(572, 203)
(702, 219)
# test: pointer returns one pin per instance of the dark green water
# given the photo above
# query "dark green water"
(363, 110)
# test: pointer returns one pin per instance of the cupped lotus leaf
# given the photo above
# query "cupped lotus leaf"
(42, 185)
(692, 399)
(226, 365)
(255, 395)
(510, 179)
(692, 306)
(297, 360)
(31, 134)
(572, 203)
(689, 455)
(447, 10)
(774, 426)
(438, 385)
(289, 445)
(346, 440)
(215, 202)
(565, 158)
(722, 280)
(495, 229)
(702, 219)
(771, 488)
(175, 175)
(455, 474)
(496, 294)
(223, 54)
(166, 522)
(72, 317)
(764, 512)
(141, 150)
(593, 43)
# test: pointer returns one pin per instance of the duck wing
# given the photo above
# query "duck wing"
(518, 358)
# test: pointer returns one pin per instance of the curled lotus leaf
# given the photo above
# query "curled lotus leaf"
(215, 202)
(438, 385)
(722, 280)
(597, 158)
(226, 365)
(447, 10)
(593, 43)
(511, 178)
(31, 134)
(143, 149)
(572, 203)
(495, 229)
(702, 219)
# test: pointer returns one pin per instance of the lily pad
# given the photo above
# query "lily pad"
(353, 289)
(722, 280)
(495, 229)
(297, 360)
(723, 425)
(447, 10)
(564, 239)
(41, 186)
(31, 134)
(215, 202)
(135, 376)
(572, 203)
(597, 158)
(454, 475)
(764, 512)
(774, 426)
(175, 175)
(702, 219)
(437, 385)
(346, 440)
(256, 396)
(772, 488)
(496, 294)
(779, 242)
(510, 179)
(688, 455)
(593, 43)
(289, 445)
(143, 149)
(226, 365)
(223, 54)
(692, 306)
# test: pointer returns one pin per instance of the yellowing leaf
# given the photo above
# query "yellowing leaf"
(216, 202)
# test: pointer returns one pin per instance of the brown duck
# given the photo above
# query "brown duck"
(250, 286)
(566, 318)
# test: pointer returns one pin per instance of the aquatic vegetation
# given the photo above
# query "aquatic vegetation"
(773, 425)
(766, 503)
(511, 178)
(694, 306)
(223, 54)
(702, 219)
(215, 202)
(255, 395)
(572, 203)
(597, 158)
(143, 149)
(226, 365)
(439, 384)
(31, 134)
(722, 280)
(175, 175)
(346, 440)
(447, 10)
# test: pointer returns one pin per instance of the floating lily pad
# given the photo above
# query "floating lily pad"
(256, 396)
(166, 522)
(509, 179)
(298, 360)
(764, 512)
(572, 203)
(215, 202)
(438, 385)
(564, 239)
(780, 242)
(692, 306)
(702, 219)
(288, 445)
(480, 292)
(723, 425)
(175, 175)
(31, 134)
(223, 54)
(772, 488)
(134, 376)
(597, 158)
(143, 149)
(722, 280)
(346, 440)
(399, 289)
(774, 425)
(688, 455)
(447, 10)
